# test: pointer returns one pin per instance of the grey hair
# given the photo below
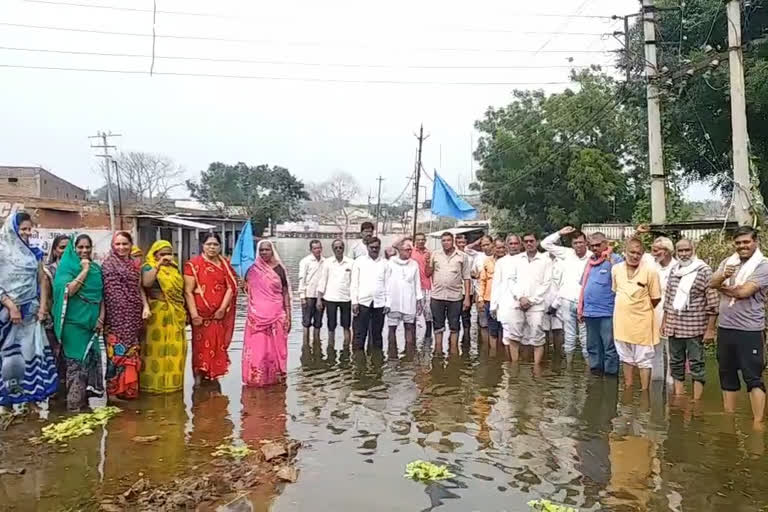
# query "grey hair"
(665, 243)
(693, 244)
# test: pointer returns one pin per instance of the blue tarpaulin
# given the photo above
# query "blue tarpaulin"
(243, 255)
(446, 202)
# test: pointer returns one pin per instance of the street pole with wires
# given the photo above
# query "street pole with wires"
(107, 170)
(742, 187)
(378, 204)
(655, 148)
(119, 193)
(417, 173)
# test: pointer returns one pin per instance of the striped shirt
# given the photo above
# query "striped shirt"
(702, 304)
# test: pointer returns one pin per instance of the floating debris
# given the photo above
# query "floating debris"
(77, 426)
(229, 450)
(145, 439)
(548, 506)
(273, 450)
(225, 480)
(426, 471)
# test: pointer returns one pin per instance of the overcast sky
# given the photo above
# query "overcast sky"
(342, 86)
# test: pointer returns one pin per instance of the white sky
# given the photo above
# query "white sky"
(311, 127)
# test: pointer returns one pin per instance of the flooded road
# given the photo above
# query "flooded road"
(510, 435)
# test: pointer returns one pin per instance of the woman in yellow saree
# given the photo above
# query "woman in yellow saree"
(164, 351)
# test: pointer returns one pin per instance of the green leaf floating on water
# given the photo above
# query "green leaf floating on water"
(229, 450)
(426, 471)
(548, 506)
(76, 426)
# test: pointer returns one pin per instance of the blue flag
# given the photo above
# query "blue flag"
(446, 202)
(243, 255)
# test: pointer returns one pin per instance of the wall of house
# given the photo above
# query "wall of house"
(53, 187)
(19, 182)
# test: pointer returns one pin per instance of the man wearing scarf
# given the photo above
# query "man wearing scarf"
(596, 304)
(690, 312)
(742, 280)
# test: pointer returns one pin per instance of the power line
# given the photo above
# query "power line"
(286, 43)
(276, 78)
(240, 18)
(282, 62)
(616, 100)
(521, 139)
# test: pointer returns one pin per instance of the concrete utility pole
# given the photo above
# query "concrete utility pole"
(417, 173)
(107, 170)
(378, 204)
(655, 148)
(742, 185)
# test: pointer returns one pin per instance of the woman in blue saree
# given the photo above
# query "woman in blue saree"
(28, 369)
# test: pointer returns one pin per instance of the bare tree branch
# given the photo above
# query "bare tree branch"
(331, 198)
(147, 178)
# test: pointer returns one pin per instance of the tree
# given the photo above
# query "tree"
(696, 115)
(145, 177)
(396, 213)
(331, 200)
(265, 193)
(567, 158)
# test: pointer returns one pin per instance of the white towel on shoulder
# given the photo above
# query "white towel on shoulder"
(687, 277)
(746, 270)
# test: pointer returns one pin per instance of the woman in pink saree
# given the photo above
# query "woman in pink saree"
(265, 345)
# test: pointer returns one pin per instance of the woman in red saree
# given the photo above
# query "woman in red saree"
(211, 291)
(126, 308)
(265, 343)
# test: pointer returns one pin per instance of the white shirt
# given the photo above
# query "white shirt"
(553, 295)
(403, 285)
(664, 273)
(359, 250)
(477, 267)
(309, 276)
(369, 282)
(516, 277)
(336, 279)
(572, 267)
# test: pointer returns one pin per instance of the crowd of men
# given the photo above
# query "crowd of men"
(650, 314)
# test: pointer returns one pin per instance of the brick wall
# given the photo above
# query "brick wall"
(19, 182)
(53, 187)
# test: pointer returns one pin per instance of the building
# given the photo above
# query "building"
(36, 182)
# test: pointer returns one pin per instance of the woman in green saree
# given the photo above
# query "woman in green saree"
(78, 319)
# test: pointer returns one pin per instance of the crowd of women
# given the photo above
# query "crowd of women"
(55, 314)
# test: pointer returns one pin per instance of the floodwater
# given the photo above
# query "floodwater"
(508, 433)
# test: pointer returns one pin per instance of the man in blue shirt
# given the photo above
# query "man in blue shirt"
(596, 307)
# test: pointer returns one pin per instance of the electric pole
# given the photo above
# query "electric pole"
(378, 204)
(119, 193)
(655, 148)
(742, 186)
(417, 172)
(107, 170)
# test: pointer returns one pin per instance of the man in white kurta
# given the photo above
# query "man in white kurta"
(663, 260)
(520, 287)
(404, 298)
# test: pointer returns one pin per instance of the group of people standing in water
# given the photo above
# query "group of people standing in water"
(55, 313)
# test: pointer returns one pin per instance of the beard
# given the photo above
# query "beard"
(685, 263)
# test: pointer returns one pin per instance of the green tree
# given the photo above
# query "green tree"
(265, 193)
(566, 158)
(693, 62)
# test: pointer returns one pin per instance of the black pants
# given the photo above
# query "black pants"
(740, 350)
(369, 318)
(466, 315)
(346, 314)
(446, 309)
(311, 315)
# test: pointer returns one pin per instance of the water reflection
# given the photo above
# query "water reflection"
(509, 433)
(211, 424)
